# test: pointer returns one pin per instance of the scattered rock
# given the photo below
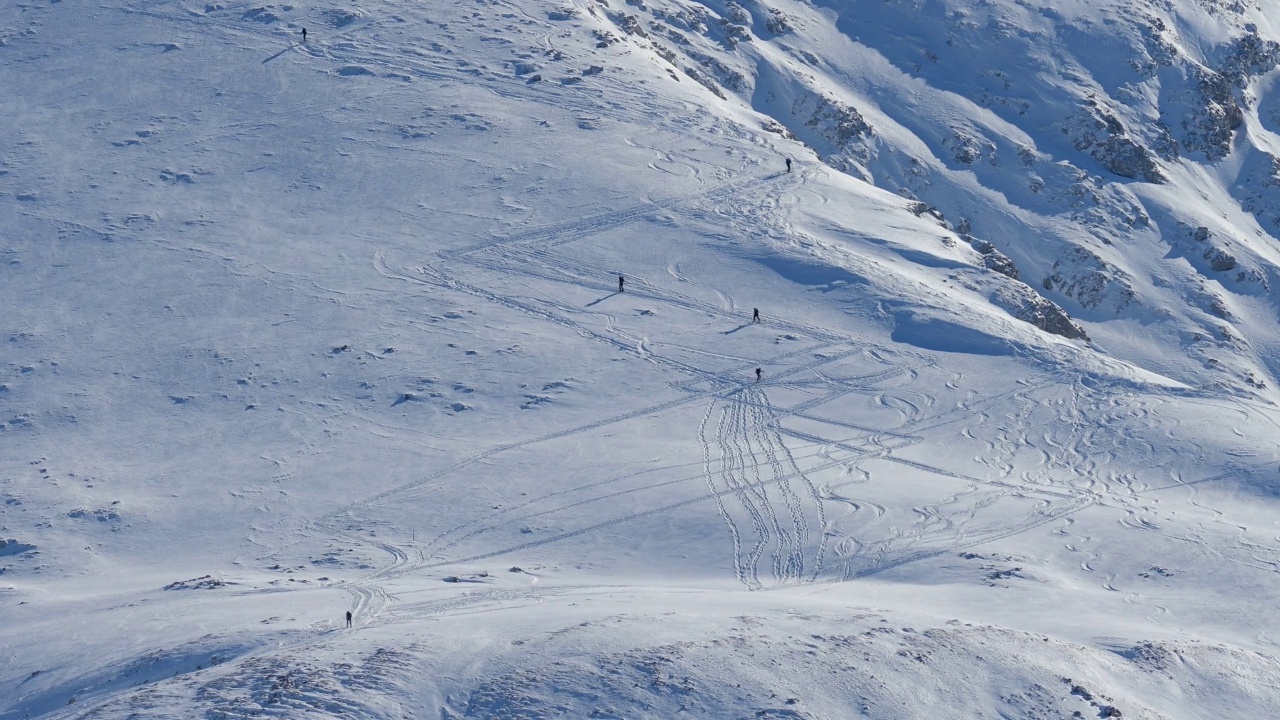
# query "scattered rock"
(99, 515)
(1220, 260)
(992, 258)
(836, 122)
(777, 23)
(13, 547)
(1212, 123)
(341, 18)
(1091, 281)
(204, 582)
(1099, 131)
(259, 14)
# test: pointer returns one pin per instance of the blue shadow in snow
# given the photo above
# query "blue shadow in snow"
(273, 57)
(593, 303)
(932, 333)
(813, 274)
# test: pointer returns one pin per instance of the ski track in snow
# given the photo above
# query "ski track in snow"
(748, 468)
(1048, 445)
(743, 436)
(740, 476)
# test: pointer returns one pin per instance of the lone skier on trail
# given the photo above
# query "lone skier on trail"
(348, 618)
(621, 281)
(788, 164)
(304, 34)
(758, 373)
(755, 315)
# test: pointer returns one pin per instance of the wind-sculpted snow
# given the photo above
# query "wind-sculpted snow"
(755, 663)
(639, 358)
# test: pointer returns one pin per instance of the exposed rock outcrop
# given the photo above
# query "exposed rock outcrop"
(1025, 304)
(1091, 281)
(1102, 134)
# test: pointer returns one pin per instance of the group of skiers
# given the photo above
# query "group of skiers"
(622, 282)
(755, 312)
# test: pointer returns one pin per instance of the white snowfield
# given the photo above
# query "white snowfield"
(290, 329)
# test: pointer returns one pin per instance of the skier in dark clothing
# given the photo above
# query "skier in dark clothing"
(348, 618)
(304, 34)
(788, 164)
(755, 315)
(758, 373)
(621, 280)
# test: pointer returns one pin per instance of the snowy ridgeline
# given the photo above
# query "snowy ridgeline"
(300, 327)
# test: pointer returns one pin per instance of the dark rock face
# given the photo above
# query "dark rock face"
(1053, 319)
(1019, 299)
(1027, 306)
(1126, 158)
(778, 23)
(1101, 133)
(1247, 56)
(1216, 116)
(993, 259)
(1220, 260)
(1091, 281)
(839, 123)
(1211, 125)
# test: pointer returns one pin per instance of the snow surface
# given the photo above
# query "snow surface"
(291, 329)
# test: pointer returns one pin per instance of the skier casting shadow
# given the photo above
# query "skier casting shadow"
(273, 57)
(622, 281)
(755, 318)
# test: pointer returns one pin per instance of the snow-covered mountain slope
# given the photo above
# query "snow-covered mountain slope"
(295, 328)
